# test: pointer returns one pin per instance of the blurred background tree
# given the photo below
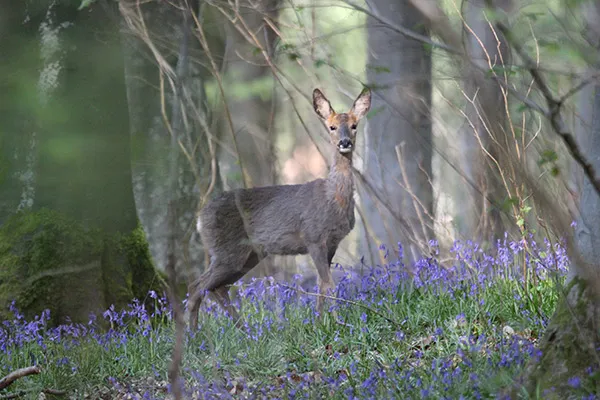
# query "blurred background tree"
(70, 237)
(115, 111)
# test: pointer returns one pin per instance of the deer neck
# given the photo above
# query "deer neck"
(340, 182)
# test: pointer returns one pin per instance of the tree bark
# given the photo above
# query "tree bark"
(153, 147)
(252, 104)
(569, 349)
(76, 248)
(19, 87)
(399, 69)
(251, 100)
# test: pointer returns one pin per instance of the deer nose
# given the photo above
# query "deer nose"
(345, 144)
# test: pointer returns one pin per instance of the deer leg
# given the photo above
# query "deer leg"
(216, 280)
(222, 296)
(197, 293)
(320, 256)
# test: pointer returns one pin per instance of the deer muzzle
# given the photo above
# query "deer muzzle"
(345, 145)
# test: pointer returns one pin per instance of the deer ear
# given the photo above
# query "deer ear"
(362, 104)
(321, 104)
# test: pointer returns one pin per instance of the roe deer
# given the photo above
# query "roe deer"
(241, 226)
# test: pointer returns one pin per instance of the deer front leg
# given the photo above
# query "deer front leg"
(320, 256)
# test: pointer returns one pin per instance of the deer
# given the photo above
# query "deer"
(240, 227)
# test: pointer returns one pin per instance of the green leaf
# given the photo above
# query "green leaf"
(287, 46)
(547, 156)
(501, 70)
(378, 69)
(320, 63)
(86, 4)
(534, 15)
(508, 203)
(549, 44)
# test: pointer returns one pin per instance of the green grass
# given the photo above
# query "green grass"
(439, 345)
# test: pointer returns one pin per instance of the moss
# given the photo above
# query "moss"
(568, 347)
(145, 276)
(33, 248)
(50, 261)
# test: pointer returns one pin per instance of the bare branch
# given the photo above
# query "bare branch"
(20, 373)
(402, 30)
(554, 114)
(177, 354)
(22, 393)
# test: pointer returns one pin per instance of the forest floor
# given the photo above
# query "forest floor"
(462, 330)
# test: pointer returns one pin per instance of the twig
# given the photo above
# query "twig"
(351, 302)
(177, 355)
(21, 393)
(401, 29)
(553, 114)
(55, 392)
(20, 373)
(215, 71)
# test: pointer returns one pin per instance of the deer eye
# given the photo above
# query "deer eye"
(353, 126)
(333, 128)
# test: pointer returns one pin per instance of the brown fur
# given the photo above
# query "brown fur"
(241, 226)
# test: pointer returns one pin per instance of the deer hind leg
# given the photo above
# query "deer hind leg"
(217, 280)
(196, 292)
(222, 296)
(222, 293)
(322, 259)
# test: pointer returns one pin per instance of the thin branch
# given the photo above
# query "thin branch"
(554, 114)
(215, 71)
(401, 29)
(354, 303)
(177, 355)
(20, 373)
(22, 393)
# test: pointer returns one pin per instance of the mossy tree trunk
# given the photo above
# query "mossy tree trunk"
(19, 72)
(569, 366)
(188, 113)
(76, 247)
(568, 362)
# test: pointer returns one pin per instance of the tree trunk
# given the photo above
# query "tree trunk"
(570, 357)
(252, 104)
(18, 134)
(398, 134)
(154, 151)
(251, 100)
(76, 249)
(478, 209)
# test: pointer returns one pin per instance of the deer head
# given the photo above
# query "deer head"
(342, 127)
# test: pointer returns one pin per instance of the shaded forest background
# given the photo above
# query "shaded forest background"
(120, 119)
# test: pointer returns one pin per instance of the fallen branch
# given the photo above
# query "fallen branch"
(55, 392)
(20, 373)
(21, 393)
